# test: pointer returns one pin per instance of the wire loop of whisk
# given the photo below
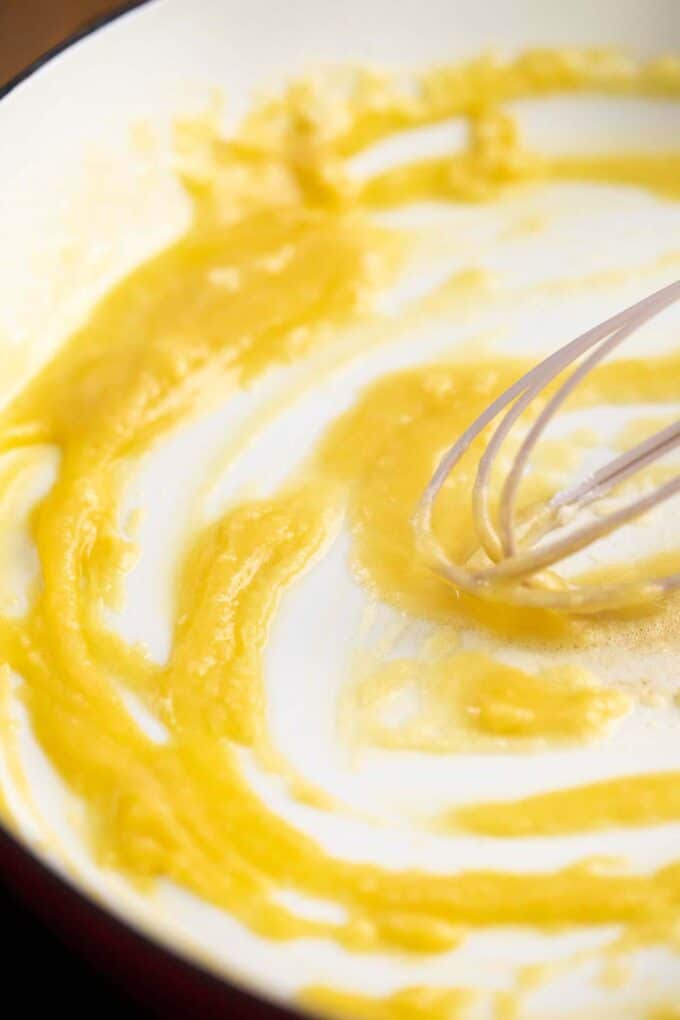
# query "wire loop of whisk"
(512, 571)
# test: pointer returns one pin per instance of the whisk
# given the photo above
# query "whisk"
(517, 557)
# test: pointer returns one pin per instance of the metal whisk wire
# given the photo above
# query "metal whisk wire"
(513, 568)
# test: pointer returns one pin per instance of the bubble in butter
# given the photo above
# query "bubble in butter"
(283, 248)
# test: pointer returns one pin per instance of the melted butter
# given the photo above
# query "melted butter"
(471, 701)
(408, 1004)
(656, 565)
(388, 446)
(495, 160)
(648, 799)
(281, 252)
(7, 728)
(639, 429)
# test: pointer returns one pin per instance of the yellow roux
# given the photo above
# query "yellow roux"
(282, 248)
(472, 701)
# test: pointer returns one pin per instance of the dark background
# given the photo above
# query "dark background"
(41, 976)
(28, 28)
(39, 973)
